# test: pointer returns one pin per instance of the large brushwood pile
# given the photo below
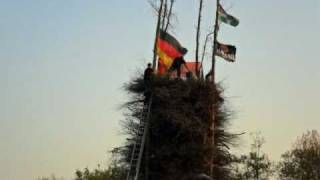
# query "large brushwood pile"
(181, 143)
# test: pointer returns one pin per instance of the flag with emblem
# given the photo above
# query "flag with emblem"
(227, 18)
(227, 52)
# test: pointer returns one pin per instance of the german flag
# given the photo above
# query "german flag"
(168, 48)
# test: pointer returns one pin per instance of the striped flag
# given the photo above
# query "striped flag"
(168, 48)
(227, 52)
(227, 18)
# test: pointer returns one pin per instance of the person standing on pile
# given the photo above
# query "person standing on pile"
(177, 63)
(148, 73)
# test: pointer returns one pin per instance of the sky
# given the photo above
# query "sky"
(63, 65)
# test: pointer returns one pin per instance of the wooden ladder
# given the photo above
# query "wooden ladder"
(139, 143)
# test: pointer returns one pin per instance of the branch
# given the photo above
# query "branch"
(205, 47)
(169, 15)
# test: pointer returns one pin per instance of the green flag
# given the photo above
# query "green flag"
(227, 18)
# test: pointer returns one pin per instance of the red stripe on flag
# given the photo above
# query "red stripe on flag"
(162, 69)
(167, 48)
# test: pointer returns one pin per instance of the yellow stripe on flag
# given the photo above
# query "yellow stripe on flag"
(166, 60)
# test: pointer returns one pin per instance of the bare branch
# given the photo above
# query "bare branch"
(164, 14)
(169, 15)
(205, 47)
(153, 5)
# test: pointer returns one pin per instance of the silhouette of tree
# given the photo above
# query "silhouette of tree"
(52, 177)
(303, 161)
(255, 165)
(113, 172)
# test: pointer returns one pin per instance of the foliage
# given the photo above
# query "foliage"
(255, 165)
(303, 161)
(52, 177)
(114, 172)
(181, 138)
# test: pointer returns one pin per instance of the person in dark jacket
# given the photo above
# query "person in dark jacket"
(177, 63)
(148, 72)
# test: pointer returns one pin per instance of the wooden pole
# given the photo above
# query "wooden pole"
(198, 37)
(154, 65)
(154, 62)
(214, 107)
(215, 35)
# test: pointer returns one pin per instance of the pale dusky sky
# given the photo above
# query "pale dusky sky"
(63, 65)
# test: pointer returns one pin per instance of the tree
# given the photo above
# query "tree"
(52, 177)
(114, 172)
(255, 165)
(303, 161)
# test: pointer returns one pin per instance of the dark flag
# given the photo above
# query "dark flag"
(227, 52)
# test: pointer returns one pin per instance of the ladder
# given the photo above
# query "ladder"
(139, 144)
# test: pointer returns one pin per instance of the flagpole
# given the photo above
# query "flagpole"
(212, 128)
(154, 63)
(198, 37)
(215, 35)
